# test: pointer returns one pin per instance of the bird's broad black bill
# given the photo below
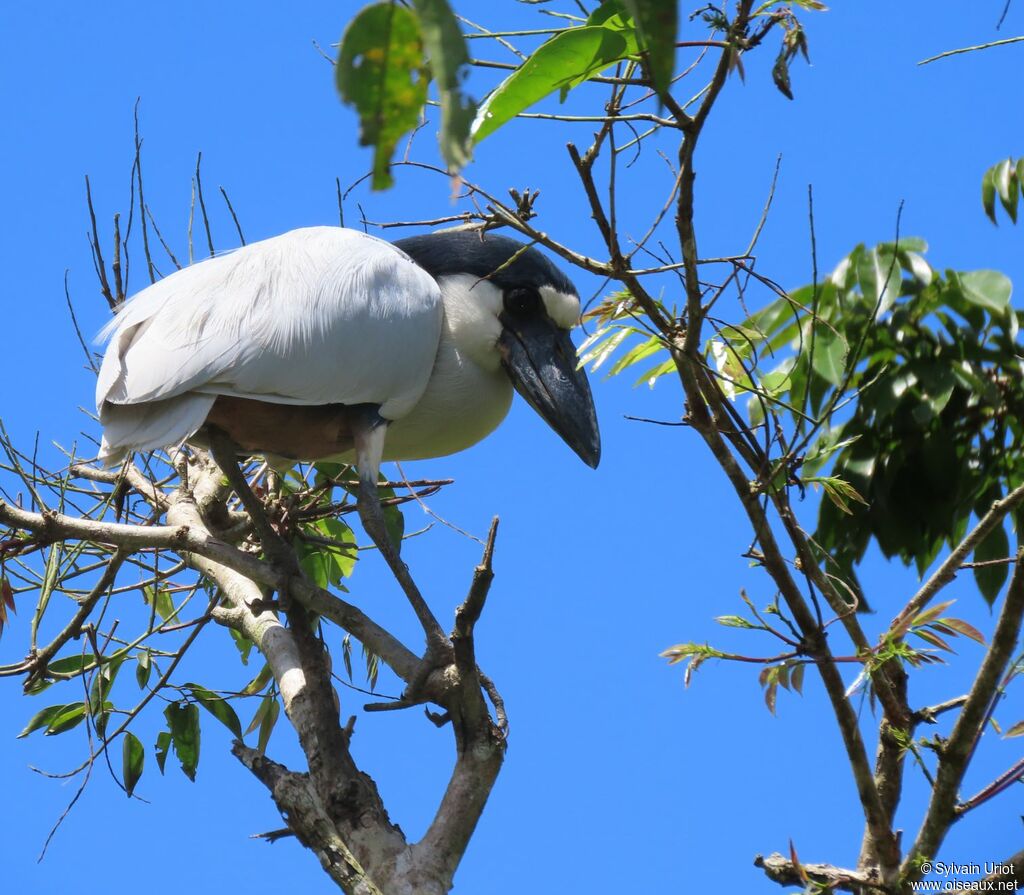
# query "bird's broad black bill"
(541, 362)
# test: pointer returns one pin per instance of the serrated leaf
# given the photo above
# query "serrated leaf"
(183, 723)
(133, 759)
(380, 72)
(216, 706)
(565, 59)
(770, 693)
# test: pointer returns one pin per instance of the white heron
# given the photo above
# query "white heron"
(329, 343)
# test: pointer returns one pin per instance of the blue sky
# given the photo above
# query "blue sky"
(615, 774)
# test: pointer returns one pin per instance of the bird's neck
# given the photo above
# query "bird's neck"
(471, 308)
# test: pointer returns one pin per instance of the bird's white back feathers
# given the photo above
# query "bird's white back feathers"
(320, 315)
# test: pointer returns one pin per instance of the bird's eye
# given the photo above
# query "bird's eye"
(521, 301)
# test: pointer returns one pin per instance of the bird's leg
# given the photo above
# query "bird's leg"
(224, 452)
(368, 434)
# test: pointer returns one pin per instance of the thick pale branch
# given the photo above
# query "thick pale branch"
(191, 537)
(783, 871)
(480, 744)
(299, 802)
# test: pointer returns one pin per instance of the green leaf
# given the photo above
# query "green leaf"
(70, 715)
(259, 682)
(569, 56)
(988, 194)
(1005, 178)
(42, 718)
(650, 377)
(657, 22)
(394, 521)
(830, 351)
(636, 354)
(380, 72)
(243, 644)
(73, 664)
(446, 49)
(988, 289)
(143, 668)
(216, 706)
(163, 744)
(260, 714)
(104, 680)
(880, 279)
(990, 579)
(346, 654)
(133, 757)
(267, 725)
(183, 723)
(734, 621)
(327, 564)
(839, 491)
(164, 605)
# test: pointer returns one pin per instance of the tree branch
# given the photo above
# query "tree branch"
(957, 750)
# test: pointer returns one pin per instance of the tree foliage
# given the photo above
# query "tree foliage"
(889, 386)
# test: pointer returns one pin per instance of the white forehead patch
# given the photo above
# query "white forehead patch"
(563, 309)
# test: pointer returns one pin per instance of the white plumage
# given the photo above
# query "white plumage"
(302, 318)
(316, 343)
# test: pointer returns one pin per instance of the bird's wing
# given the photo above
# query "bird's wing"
(317, 316)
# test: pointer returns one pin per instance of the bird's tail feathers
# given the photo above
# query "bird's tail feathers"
(151, 425)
